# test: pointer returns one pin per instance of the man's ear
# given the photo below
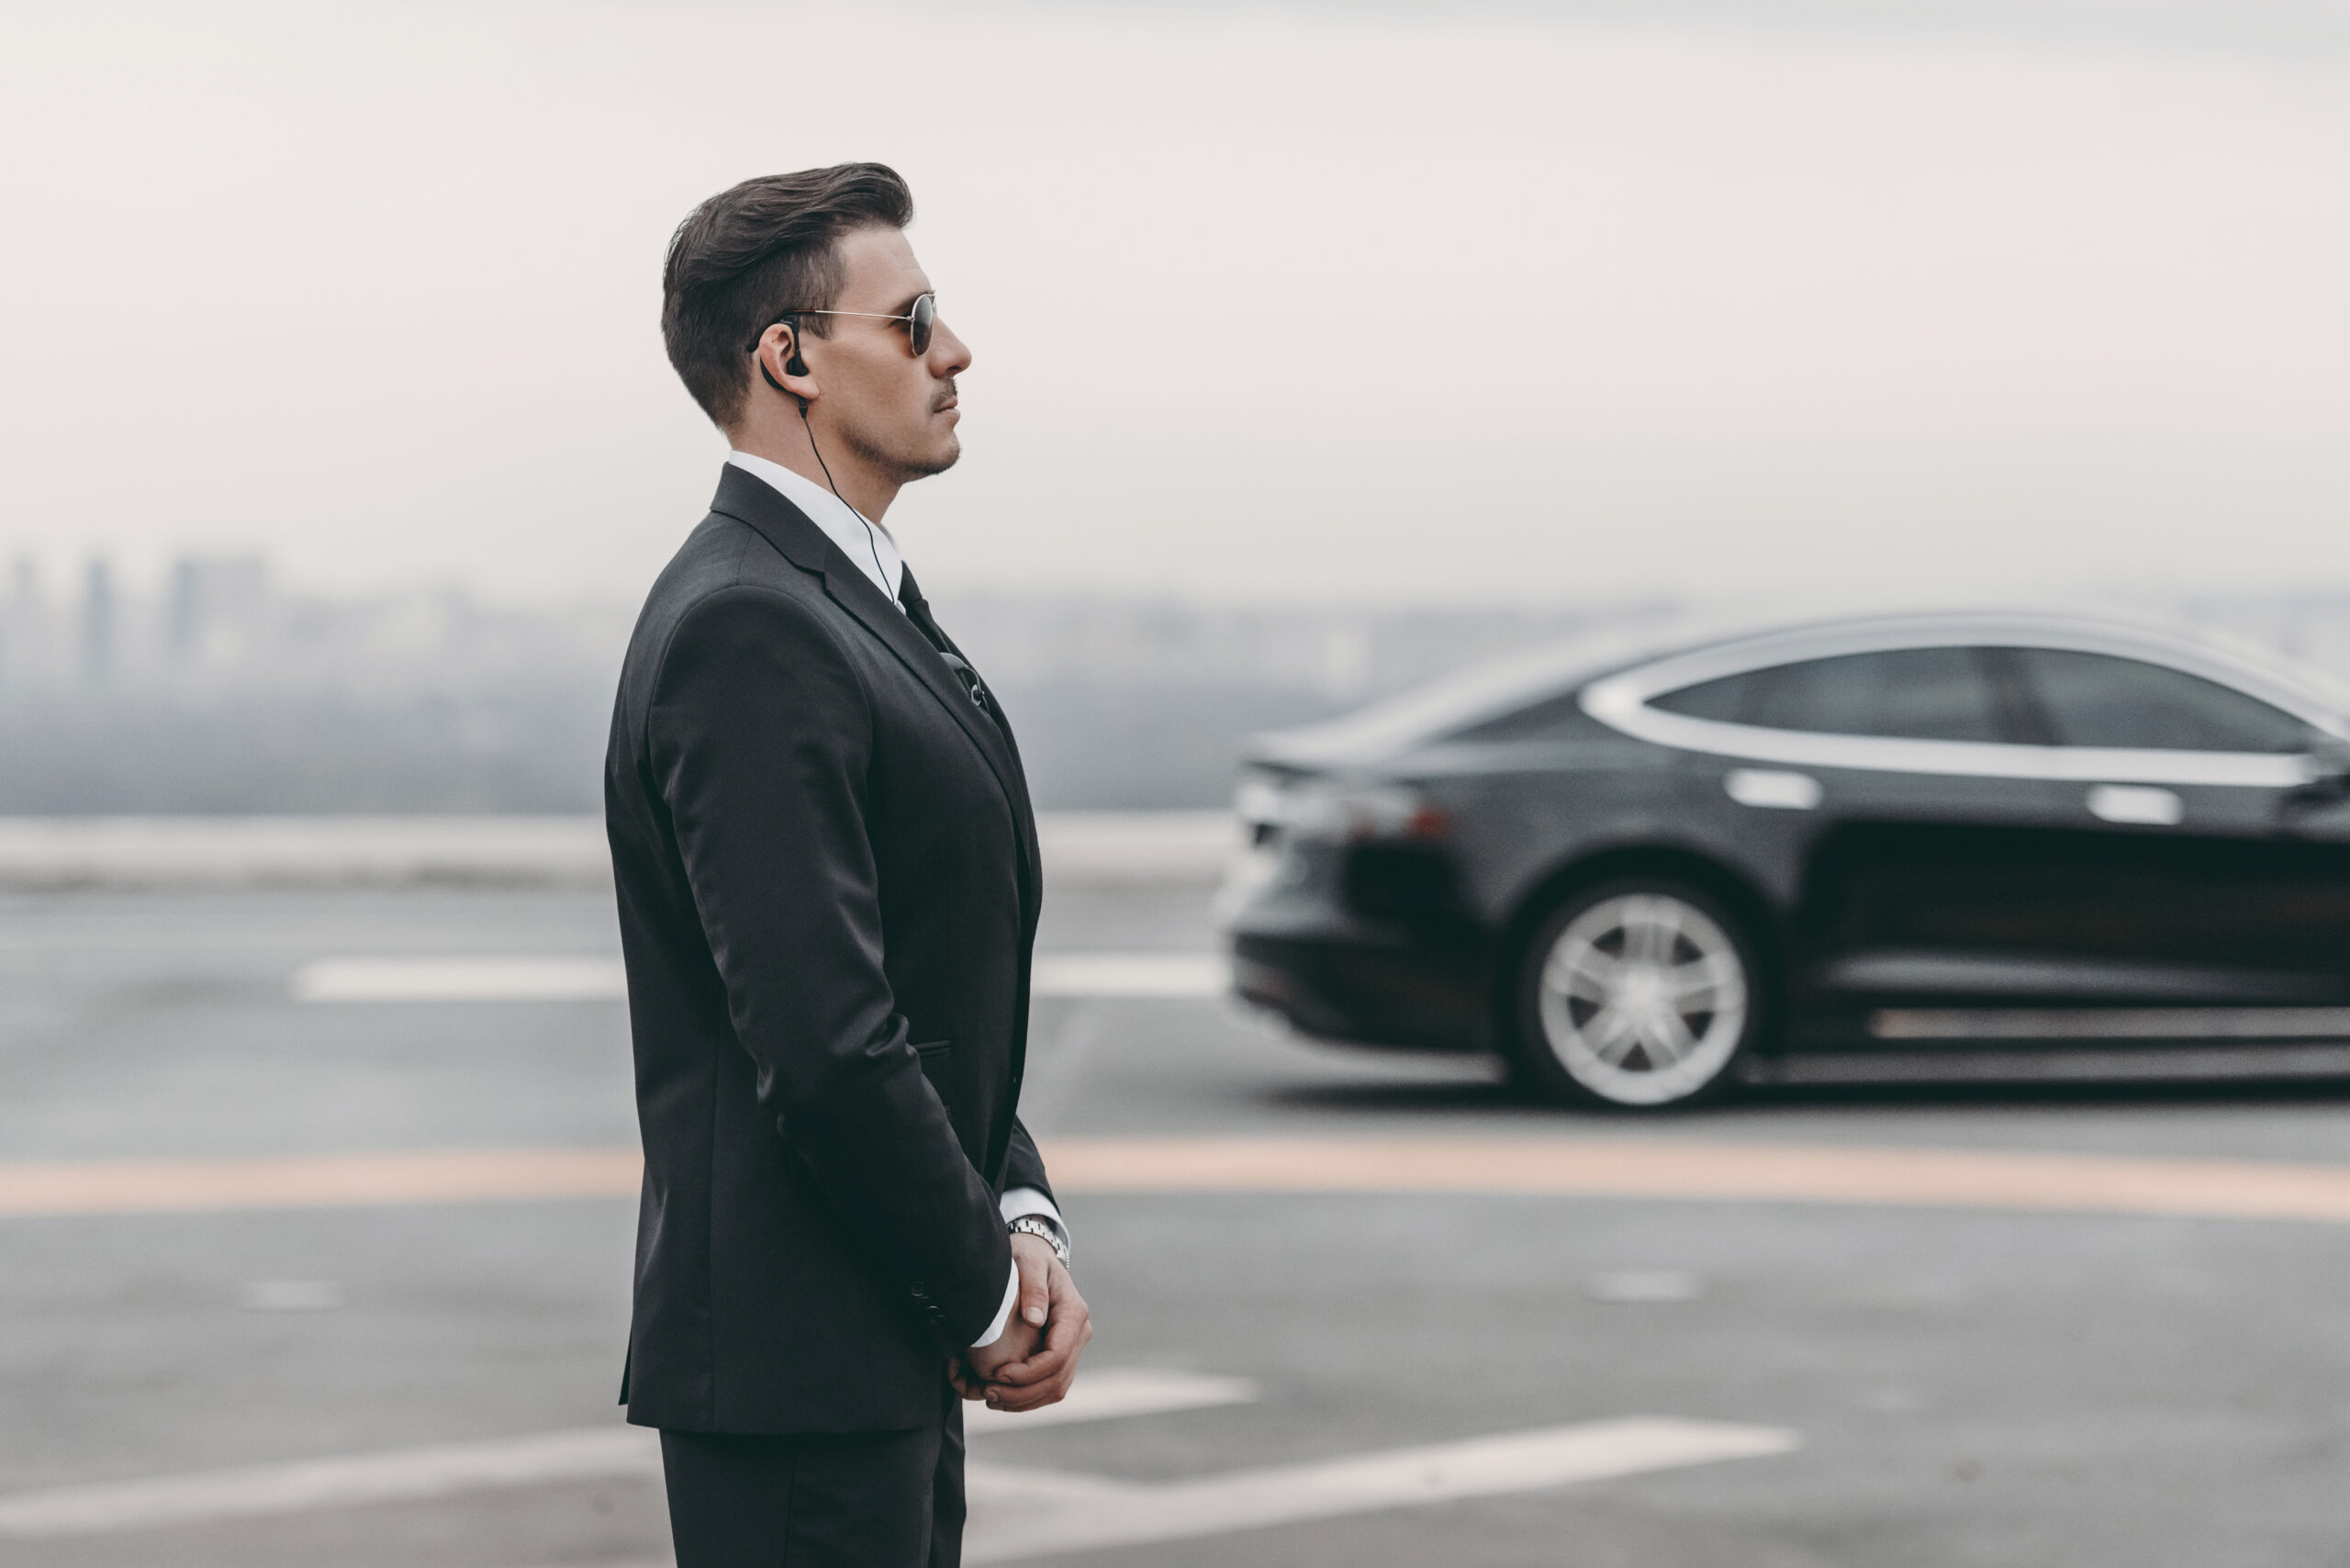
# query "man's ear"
(780, 344)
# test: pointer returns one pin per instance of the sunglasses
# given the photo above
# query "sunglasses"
(918, 321)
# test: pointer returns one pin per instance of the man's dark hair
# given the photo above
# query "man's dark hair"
(751, 255)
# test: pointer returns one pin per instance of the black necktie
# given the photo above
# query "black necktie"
(918, 611)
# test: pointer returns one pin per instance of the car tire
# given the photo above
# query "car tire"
(1640, 992)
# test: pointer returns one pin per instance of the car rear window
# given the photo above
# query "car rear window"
(2098, 700)
(1559, 718)
(1937, 694)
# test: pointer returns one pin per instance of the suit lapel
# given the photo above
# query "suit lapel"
(854, 592)
(1022, 807)
(752, 501)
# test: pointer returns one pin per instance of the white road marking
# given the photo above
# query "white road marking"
(1113, 1392)
(540, 979)
(448, 1468)
(398, 1477)
(291, 1295)
(1131, 974)
(1016, 1512)
(1019, 1515)
(1022, 1513)
(1643, 1286)
(556, 978)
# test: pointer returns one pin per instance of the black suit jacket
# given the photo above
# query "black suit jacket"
(828, 885)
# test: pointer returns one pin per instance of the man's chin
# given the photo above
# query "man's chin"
(941, 460)
(911, 464)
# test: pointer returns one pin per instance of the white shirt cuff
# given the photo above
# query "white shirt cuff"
(1003, 1313)
(1017, 1202)
(1029, 1200)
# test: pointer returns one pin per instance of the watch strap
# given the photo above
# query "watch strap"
(1039, 1226)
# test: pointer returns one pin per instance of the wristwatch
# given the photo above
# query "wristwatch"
(1037, 1225)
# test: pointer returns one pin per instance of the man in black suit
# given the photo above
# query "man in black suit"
(828, 891)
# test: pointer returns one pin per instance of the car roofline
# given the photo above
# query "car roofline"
(2301, 694)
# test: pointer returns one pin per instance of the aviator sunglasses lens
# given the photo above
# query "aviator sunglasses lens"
(919, 321)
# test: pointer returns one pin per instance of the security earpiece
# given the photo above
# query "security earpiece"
(786, 390)
(795, 365)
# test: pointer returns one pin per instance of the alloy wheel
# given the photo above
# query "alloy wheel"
(1643, 999)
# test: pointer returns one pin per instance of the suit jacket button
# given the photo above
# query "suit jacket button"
(917, 1290)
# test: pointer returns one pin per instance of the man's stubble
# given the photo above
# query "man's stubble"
(903, 466)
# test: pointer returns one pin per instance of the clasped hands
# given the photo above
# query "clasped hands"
(1032, 1363)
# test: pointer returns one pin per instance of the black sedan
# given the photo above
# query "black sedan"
(1909, 847)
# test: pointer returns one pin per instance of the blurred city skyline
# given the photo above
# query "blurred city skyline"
(1544, 305)
(215, 686)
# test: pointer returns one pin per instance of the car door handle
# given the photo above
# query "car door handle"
(1772, 789)
(2140, 804)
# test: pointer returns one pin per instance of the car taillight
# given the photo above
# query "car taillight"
(1361, 811)
(1428, 822)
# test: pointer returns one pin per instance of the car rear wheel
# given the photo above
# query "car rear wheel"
(1638, 992)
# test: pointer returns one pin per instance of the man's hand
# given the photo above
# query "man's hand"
(1044, 1375)
(972, 1371)
(975, 1369)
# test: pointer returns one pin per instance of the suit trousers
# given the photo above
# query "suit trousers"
(820, 1500)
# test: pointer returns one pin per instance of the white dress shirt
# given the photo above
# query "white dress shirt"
(871, 548)
(867, 545)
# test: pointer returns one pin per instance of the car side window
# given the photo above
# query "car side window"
(2098, 700)
(1928, 694)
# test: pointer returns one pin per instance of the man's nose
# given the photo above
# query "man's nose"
(949, 355)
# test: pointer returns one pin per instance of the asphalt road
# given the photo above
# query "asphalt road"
(1961, 1385)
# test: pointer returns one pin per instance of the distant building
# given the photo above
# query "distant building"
(100, 615)
(218, 610)
(23, 625)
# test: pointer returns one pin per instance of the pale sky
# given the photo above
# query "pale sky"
(1550, 302)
